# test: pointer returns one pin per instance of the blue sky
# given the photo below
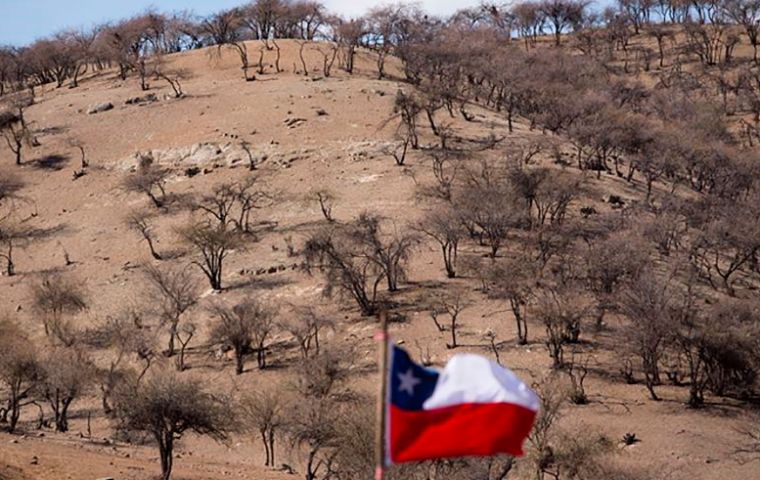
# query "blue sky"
(22, 21)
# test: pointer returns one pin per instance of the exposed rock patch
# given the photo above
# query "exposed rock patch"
(100, 108)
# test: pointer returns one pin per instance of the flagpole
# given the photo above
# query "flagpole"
(380, 452)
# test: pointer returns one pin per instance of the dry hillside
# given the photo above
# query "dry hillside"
(304, 132)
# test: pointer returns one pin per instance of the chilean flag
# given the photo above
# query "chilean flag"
(473, 407)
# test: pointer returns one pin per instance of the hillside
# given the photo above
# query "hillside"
(305, 133)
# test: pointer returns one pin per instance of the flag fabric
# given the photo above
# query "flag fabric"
(473, 407)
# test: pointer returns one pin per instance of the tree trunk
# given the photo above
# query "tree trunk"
(264, 440)
(239, 364)
(449, 254)
(165, 451)
(170, 351)
(61, 416)
(271, 446)
(153, 252)
(15, 414)
(17, 151)
(453, 333)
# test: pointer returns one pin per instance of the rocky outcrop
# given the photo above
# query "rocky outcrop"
(100, 108)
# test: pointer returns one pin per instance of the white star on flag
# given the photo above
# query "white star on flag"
(408, 382)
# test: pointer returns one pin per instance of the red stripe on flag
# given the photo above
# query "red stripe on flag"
(469, 429)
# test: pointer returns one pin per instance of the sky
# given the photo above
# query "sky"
(23, 21)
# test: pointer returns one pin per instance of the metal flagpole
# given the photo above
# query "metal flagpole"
(380, 452)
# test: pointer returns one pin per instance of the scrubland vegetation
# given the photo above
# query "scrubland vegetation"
(591, 173)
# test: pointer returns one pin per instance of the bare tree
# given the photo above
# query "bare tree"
(349, 34)
(20, 371)
(724, 246)
(647, 303)
(750, 431)
(544, 429)
(171, 292)
(561, 314)
(337, 252)
(213, 244)
(747, 14)
(408, 107)
(11, 229)
(612, 262)
(453, 303)
(247, 323)
(314, 429)
(305, 326)
(445, 227)
(490, 205)
(68, 374)
(329, 52)
(562, 14)
(13, 233)
(10, 185)
(15, 130)
(324, 375)
(660, 33)
(126, 339)
(264, 412)
(185, 334)
(324, 198)
(54, 298)
(149, 180)
(139, 221)
(225, 29)
(231, 204)
(166, 406)
(515, 282)
(391, 253)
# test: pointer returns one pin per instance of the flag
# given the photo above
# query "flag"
(473, 407)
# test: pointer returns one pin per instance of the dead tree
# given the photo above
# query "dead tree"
(241, 326)
(170, 292)
(514, 281)
(341, 256)
(68, 374)
(166, 406)
(20, 371)
(16, 132)
(264, 412)
(54, 298)
(139, 221)
(213, 244)
(149, 180)
(444, 226)
(325, 199)
(305, 326)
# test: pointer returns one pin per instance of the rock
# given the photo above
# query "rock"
(35, 460)
(321, 112)
(294, 122)
(99, 108)
(105, 478)
(149, 98)
(13, 441)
